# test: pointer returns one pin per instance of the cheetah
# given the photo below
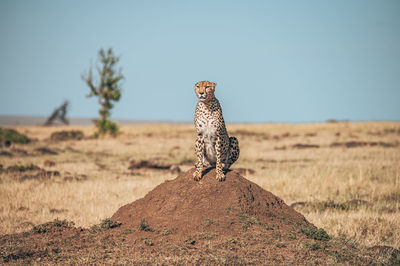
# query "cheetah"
(214, 148)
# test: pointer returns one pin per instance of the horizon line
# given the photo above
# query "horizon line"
(32, 120)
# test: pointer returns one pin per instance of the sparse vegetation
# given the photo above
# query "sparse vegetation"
(8, 136)
(209, 222)
(109, 224)
(315, 233)
(232, 240)
(104, 225)
(148, 242)
(207, 235)
(229, 210)
(144, 226)
(67, 135)
(168, 232)
(22, 168)
(280, 245)
(56, 225)
(314, 246)
(247, 220)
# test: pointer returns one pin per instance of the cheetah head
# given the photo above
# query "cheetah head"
(205, 90)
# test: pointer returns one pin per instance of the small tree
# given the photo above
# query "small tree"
(107, 89)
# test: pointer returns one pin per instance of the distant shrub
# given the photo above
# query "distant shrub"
(67, 135)
(106, 126)
(22, 168)
(11, 135)
(315, 233)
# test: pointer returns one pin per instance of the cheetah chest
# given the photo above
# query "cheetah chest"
(208, 130)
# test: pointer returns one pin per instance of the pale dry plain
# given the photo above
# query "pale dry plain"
(343, 177)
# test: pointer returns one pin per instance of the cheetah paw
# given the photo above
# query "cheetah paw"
(196, 176)
(220, 177)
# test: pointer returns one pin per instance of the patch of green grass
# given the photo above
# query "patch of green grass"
(247, 220)
(144, 226)
(269, 227)
(315, 233)
(11, 135)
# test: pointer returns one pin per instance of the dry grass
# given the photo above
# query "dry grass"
(95, 181)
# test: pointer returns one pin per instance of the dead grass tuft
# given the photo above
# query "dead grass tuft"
(144, 226)
(53, 226)
(67, 135)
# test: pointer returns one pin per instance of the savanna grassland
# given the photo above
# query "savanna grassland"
(343, 177)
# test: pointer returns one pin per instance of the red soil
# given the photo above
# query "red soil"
(184, 205)
(187, 222)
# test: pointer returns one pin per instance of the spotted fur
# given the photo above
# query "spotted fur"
(214, 148)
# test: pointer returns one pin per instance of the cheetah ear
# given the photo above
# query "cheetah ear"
(214, 84)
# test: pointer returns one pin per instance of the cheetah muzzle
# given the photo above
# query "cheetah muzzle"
(214, 148)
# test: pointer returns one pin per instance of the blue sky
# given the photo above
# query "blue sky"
(273, 61)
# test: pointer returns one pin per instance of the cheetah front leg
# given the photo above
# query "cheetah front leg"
(199, 147)
(219, 167)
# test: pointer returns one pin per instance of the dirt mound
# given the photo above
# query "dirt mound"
(183, 222)
(186, 206)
